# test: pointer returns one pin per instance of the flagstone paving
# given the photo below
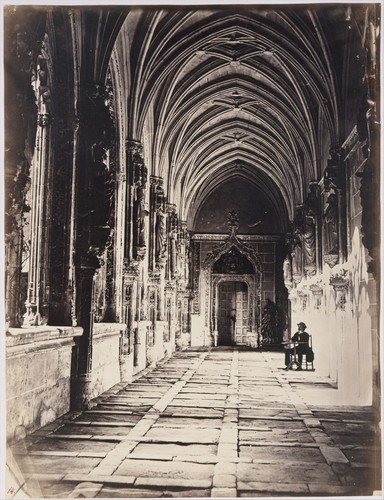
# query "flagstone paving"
(206, 422)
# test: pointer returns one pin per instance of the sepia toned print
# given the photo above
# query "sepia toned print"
(192, 262)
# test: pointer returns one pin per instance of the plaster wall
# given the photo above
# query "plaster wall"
(342, 339)
(38, 369)
(199, 335)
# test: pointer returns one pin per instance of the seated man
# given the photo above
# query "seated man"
(302, 337)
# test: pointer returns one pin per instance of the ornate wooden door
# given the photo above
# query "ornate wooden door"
(233, 313)
(240, 298)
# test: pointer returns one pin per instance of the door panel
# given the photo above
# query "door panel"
(233, 313)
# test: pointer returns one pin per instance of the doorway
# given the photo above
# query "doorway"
(233, 313)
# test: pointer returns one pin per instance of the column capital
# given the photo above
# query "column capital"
(171, 208)
(134, 146)
(156, 181)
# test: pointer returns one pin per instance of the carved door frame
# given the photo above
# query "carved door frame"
(250, 281)
(253, 281)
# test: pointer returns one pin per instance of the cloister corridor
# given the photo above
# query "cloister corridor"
(219, 422)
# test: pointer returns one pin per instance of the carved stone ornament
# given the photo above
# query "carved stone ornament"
(135, 147)
(310, 270)
(44, 119)
(340, 283)
(317, 292)
(232, 241)
(154, 277)
(331, 259)
(141, 251)
(303, 296)
(317, 288)
(169, 287)
(340, 280)
(233, 222)
(131, 268)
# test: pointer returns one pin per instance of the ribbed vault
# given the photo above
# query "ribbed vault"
(222, 92)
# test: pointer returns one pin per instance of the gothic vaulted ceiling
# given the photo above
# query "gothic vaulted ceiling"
(223, 93)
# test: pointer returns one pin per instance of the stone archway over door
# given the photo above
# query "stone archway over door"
(233, 313)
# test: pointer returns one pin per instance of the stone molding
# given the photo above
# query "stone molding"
(245, 237)
(101, 330)
(20, 341)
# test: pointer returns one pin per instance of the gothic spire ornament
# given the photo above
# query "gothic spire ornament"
(233, 222)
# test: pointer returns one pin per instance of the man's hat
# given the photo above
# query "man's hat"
(302, 324)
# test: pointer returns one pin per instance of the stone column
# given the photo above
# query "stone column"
(81, 390)
(93, 212)
(37, 300)
(40, 194)
(129, 305)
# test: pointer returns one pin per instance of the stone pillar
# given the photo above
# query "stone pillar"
(92, 229)
(130, 277)
(82, 353)
(37, 300)
(40, 195)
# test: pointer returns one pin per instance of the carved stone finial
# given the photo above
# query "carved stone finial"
(233, 222)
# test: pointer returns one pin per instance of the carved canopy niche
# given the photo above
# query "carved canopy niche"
(233, 262)
(232, 249)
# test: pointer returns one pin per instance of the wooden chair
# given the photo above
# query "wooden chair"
(307, 364)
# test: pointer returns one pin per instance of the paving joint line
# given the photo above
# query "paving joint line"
(331, 453)
(108, 465)
(224, 475)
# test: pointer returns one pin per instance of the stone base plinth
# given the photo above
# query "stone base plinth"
(38, 370)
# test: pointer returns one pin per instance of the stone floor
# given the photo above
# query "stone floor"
(217, 422)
